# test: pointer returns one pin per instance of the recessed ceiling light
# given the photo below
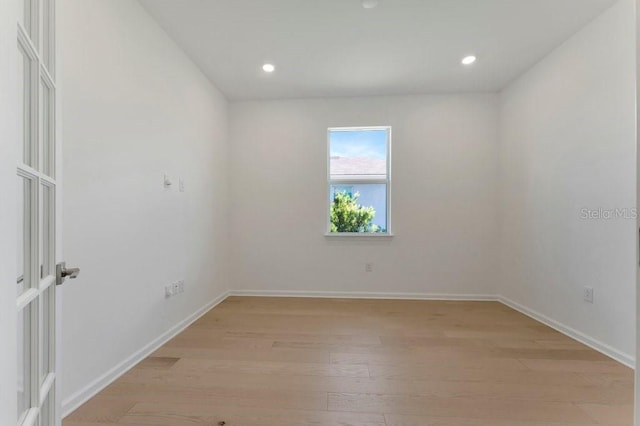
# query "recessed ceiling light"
(268, 68)
(369, 4)
(469, 60)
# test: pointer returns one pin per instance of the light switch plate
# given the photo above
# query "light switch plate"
(167, 181)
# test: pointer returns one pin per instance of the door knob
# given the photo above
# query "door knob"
(62, 273)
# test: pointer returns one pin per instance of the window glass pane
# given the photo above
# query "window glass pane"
(358, 154)
(24, 356)
(24, 235)
(363, 211)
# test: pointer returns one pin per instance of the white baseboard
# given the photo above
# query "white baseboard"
(367, 295)
(621, 357)
(73, 402)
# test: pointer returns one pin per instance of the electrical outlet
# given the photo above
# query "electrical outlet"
(174, 289)
(181, 185)
(588, 294)
(368, 267)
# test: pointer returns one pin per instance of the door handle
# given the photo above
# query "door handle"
(62, 273)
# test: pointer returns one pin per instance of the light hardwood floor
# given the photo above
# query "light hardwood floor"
(297, 362)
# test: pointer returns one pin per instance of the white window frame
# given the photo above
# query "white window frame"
(354, 182)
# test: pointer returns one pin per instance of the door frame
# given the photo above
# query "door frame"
(59, 254)
(8, 211)
(637, 370)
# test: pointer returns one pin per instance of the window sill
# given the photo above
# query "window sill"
(357, 235)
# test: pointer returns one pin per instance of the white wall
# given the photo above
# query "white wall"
(135, 108)
(567, 131)
(8, 155)
(444, 201)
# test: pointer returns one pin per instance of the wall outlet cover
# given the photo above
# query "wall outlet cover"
(588, 294)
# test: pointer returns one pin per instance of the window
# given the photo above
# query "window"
(359, 184)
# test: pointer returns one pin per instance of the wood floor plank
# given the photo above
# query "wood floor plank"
(269, 354)
(302, 362)
(576, 365)
(478, 372)
(239, 397)
(158, 362)
(478, 408)
(213, 414)
(101, 409)
(308, 337)
(82, 423)
(273, 368)
(411, 420)
(427, 358)
(610, 414)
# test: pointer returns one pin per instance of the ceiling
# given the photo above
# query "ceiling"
(325, 48)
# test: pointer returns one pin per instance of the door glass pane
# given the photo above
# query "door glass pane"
(46, 236)
(24, 87)
(23, 65)
(24, 357)
(46, 412)
(23, 14)
(21, 240)
(42, 135)
(41, 248)
(46, 34)
(41, 26)
(24, 234)
(46, 330)
(45, 126)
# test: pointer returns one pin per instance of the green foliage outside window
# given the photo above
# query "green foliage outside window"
(348, 216)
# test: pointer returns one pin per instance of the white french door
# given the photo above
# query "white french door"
(36, 182)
